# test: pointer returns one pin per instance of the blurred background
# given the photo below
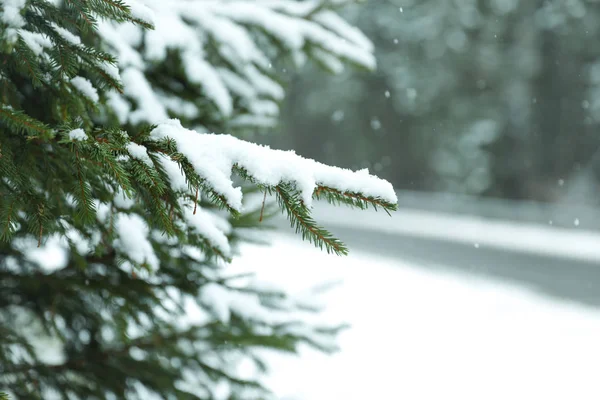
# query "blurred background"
(485, 115)
(489, 98)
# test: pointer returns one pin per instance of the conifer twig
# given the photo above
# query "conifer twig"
(262, 209)
(300, 218)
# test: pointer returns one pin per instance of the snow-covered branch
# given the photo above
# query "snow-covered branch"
(220, 48)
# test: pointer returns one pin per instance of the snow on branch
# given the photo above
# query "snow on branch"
(293, 179)
(214, 157)
(224, 56)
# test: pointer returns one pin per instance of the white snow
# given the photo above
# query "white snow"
(149, 107)
(203, 222)
(330, 62)
(132, 240)
(139, 152)
(86, 88)
(223, 302)
(122, 201)
(193, 27)
(335, 23)
(122, 41)
(50, 256)
(11, 13)
(576, 244)
(280, 26)
(176, 178)
(235, 41)
(264, 84)
(423, 335)
(111, 70)
(295, 32)
(67, 35)
(35, 41)
(213, 157)
(201, 72)
(236, 84)
(251, 120)
(119, 105)
(264, 107)
(179, 106)
(78, 134)
(141, 11)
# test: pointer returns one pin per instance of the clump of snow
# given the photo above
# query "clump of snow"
(240, 68)
(176, 178)
(236, 84)
(50, 256)
(86, 88)
(122, 42)
(11, 13)
(141, 11)
(179, 106)
(264, 107)
(263, 83)
(65, 34)
(111, 70)
(82, 245)
(35, 41)
(149, 107)
(139, 152)
(102, 211)
(132, 240)
(213, 157)
(335, 23)
(330, 62)
(295, 32)
(225, 301)
(251, 120)
(78, 134)
(204, 224)
(122, 201)
(119, 106)
(201, 72)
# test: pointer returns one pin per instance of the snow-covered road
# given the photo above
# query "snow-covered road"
(427, 334)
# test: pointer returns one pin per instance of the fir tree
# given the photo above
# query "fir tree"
(117, 222)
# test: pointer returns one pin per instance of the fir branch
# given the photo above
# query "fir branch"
(27, 59)
(194, 180)
(302, 221)
(8, 214)
(23, 123)
(108, 80)
(118, 11)
(353, 199)
(115, 169)
(86, 210)
(320, 6)
(207, 246)
(40, 222)
(88, 22)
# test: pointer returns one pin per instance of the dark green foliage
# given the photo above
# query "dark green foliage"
(118, 324)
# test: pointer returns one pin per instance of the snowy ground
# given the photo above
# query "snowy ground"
(575, 243)
(426, 335)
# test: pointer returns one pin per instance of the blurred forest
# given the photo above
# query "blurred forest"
(486, 97)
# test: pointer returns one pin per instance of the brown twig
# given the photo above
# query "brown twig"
(262, 209)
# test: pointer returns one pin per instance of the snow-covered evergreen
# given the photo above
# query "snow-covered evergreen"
(116, 233)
